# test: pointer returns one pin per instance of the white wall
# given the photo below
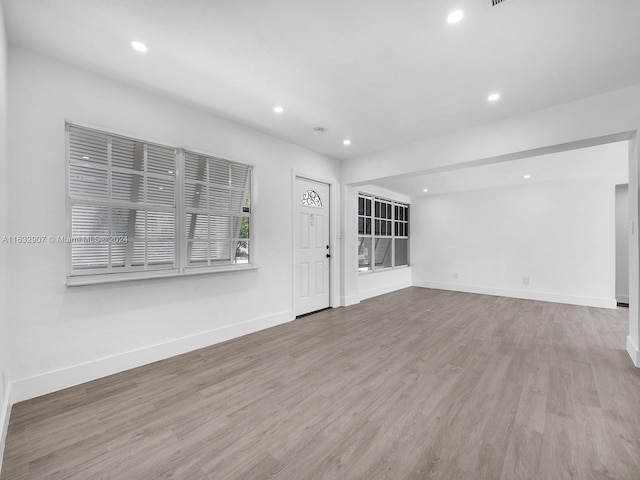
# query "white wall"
(560, 235)
(622, 243)
(4, 270)
(61, 335)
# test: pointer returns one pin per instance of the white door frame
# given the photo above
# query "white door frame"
(332, 237)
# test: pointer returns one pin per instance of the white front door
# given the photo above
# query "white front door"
(311, 239)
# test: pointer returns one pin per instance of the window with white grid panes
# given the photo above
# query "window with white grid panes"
(401, 235)
(365, 220)
(383, 229)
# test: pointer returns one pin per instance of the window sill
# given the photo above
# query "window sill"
(132, 276)
(221, 269)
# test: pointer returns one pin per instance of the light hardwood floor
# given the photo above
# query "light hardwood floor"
(411, 385)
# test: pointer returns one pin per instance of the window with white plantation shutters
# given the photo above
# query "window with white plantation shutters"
(123, 206)
(138, 209)
(216, 206)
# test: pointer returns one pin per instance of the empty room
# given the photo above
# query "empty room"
(319, 240)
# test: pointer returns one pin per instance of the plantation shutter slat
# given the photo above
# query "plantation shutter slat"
(88, 146)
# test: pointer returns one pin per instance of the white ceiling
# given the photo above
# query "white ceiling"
(381, 73)
(610, 161)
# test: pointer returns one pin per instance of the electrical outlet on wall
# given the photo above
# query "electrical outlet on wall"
(525, 280)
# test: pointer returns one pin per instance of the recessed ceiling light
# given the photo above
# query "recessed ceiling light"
(493, 97)
(425, 190)
(139, 46)
(455, 16)
(278, 109)
(526, 176)
(347, 142)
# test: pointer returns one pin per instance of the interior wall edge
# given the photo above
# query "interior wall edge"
(5, 371)
(634, 250)
(633, 352)
(540, 296)
(48, 382)
(5, 413)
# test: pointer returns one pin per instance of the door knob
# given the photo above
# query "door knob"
(328, 255)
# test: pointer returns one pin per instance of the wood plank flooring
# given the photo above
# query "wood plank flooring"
(416, 384)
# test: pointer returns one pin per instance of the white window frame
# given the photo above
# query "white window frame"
(372, 236)
(180, 264)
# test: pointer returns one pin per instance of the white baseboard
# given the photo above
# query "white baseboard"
(634, 353)
(622, 298)
(42, 384)
(5, 413)
(524, 294)
(374, 292)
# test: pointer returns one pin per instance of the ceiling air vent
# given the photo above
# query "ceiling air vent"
(495, 2)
